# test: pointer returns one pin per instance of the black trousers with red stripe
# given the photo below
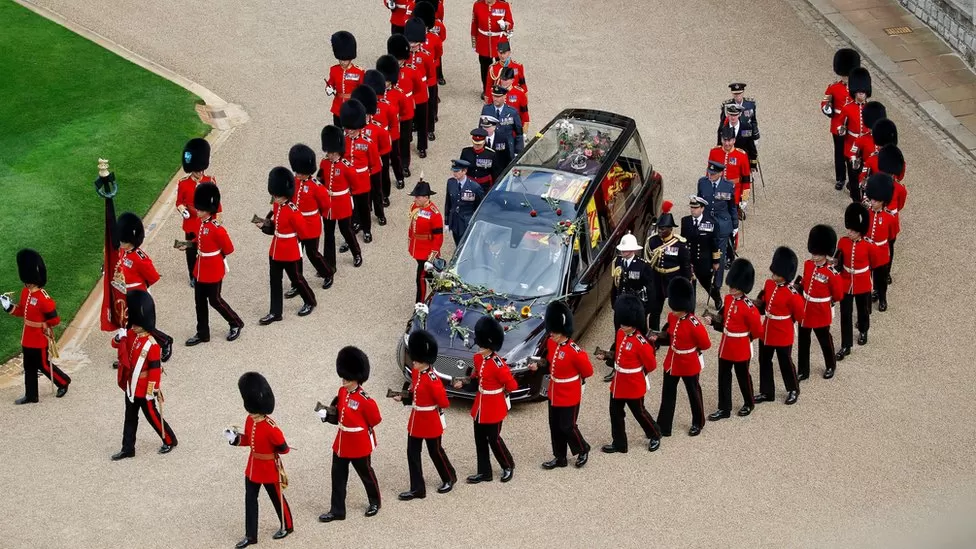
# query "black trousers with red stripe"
(826, 342)
(251, 492)
(155, 419)
(386, 182)
(840, 159)
(784, 354)
(420, 125)
(36, 359)
(489, 435)
(360, 214)
(421, 282)
(847, 305)
(564, 432)
(437, 455)
(406, 136)
(432, 107)
(205, 293)
(617, 414)
(191, 253)
(311, 247)
(328, 236)
(397, 166)
(725, 368)
(340, 477)
(290, 268)
(376, 193)
(669, 395)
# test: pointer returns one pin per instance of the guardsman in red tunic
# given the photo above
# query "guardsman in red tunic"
(214, 246)
(264, 467)
(427, 398)
(494, 381)
(504, 61)
(398, 14)
(40, 316)
(853, 124)
(196, 159)
(364, 155)
(436, 31)
(883, 133)
(140, 374)
(686, 338)
(376, 133)
(344, 76)
(737, 169)
(892, 162)
(302, 160)
(879, 191)
(632, 360)
(435, 47)
(855, 259)
(740, 323)
(335, 200)
(385, 120)
(567, 366)
(864, 146)
(782, 307)
(835, 98)
(423, 60)
(821, 288)
(401, 103)
(491, 23)
(134, 270)
(515, 97)
(284, 223)
(356, 415)
(426, 233)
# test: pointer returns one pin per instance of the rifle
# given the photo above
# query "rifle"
(390, 393)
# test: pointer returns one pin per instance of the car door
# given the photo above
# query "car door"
(591, 289)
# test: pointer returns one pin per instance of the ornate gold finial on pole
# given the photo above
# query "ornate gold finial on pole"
(102, 167)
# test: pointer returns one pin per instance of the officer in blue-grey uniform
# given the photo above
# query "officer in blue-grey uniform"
(463, 198)
(509, 121)
(747, 104)
(700, 231)
(719, 193)
(504, 148)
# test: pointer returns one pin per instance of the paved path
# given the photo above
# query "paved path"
(881, 456)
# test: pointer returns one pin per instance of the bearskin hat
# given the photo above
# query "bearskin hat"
(333, 140)
(845, 60)
(352, 364)
(389, 67)
(281, 182)
(489, 334)
(196, 155)
(426, 12)
(344, 46)
(376, 81)
(256, 393)
(141, 310)
(302, 159)
(399, 47)
(891, 161)
(352, 115)
(859, 81)
(559, 318)
(629, 311)
(415, 31)
(856, 218)
(681, 295)
(422, 347)
(31, 268)
(822, 240)
(206, 198)
(129, 229)
(784, 263)
(741, 276)
(873, 111)
(880, 187)
(885, 132)
(366, 96)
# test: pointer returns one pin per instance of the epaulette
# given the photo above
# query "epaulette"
(498, 361)
(365, 137)
(640, 339)
(423, 49)
(728, 101)
(695, 321)
(680, 238)
(489, 149)
(519, 88)
(141, 254)
(270, 421)
(347, 162)
(748, 301)
(740, 150)
(433, 207)
(293, 206)
(363, 392)
(575, 347)
(45, 294)
(431, 374)
(750, 99)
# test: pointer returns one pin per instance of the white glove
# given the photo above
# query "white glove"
(230, 435)
(828, 110)
(391, 4)
(842, 130)
(502, 24)
(323, 413)
(6, 303)
(185, 213)
(743, 205)
(329, 90)
(735, 232)
(121, 333)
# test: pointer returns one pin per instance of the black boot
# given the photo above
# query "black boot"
(844, 351)
(719, 414)
(245, 542)
(862, 339)
(292, 292)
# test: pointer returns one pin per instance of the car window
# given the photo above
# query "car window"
(624, 182)
(598, 230)
(575, 146)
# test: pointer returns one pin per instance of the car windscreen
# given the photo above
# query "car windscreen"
(576, 146)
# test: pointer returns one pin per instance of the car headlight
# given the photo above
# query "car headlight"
(521, 364)
(518, 357)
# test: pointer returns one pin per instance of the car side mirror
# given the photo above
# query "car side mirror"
(581, 288)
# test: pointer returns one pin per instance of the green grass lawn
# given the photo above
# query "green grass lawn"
(65, 102)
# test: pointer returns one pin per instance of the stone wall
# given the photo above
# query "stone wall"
(953, 20)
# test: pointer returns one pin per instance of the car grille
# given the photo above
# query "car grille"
(452, 366)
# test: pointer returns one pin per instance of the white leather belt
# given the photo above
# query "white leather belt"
(878, 242)
(627, 370)
(684, 351)
(408, 94)
(424, 408)
(340, 193)
(490, 391)
(857, 271)
(349, 429)
(311, 213)
(401, 6)
(134, 285)
(892, 212)
(779, 317)
(736, 334)
(489, 33)
(209, 254)
(852, 134)
(818, 299)
(288, 235)
(361, 170)
(564, 379)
